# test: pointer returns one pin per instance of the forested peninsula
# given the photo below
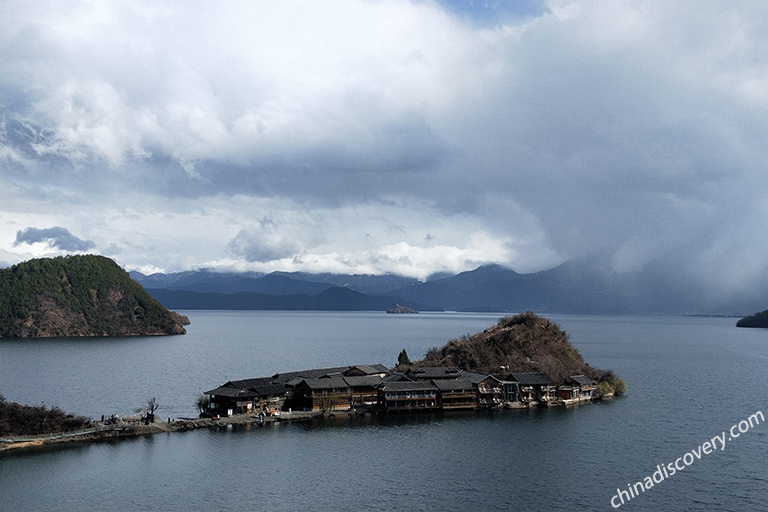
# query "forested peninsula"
(81, 295)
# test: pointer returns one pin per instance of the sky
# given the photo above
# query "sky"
(388, 136)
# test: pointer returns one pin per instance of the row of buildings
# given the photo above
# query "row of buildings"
(374, 387)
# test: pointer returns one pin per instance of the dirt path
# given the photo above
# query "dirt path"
(104, 432)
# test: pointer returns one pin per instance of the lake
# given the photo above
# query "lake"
(690, 379)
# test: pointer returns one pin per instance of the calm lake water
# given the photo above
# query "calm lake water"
(689, 380)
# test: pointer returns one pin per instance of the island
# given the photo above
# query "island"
(79, 295)
(524, 361)
(759, 319)
(397, 309)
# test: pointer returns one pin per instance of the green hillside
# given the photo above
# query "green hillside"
(84, 295)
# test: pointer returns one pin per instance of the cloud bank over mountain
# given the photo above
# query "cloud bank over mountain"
(391, 136)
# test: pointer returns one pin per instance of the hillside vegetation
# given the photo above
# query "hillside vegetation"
(520, 344)
(24, 420)
(84, 295)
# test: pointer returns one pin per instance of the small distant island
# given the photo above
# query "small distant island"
(397, 309)
(81, 295)
(757, 320)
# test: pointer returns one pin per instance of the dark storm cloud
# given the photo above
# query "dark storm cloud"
(332, 172)
(57, 237)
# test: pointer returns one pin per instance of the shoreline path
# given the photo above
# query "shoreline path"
(131, 429)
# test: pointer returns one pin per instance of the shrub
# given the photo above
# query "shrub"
(19, 420)
(619, 386)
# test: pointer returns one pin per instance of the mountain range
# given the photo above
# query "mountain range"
(578, 287)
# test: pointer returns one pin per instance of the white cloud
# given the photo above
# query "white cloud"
(388, 136)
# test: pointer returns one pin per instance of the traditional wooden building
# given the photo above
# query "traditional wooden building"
(228, 400)
(578, 389)
(245, 396)
(278, 391)
(372, 386)
(363, 389)
(488, 389)
(584, 387)
(408, 396)
(324, 394)
(271, 397)
(534, 387)
(456, 394)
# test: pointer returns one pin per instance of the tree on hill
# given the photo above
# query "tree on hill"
(520, 344)
(83, 295)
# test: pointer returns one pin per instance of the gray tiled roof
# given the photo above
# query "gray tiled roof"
(396, 377)
(369, 369)
(328, 383)
(476, 378)
(231, 392)
(249, 383)
(530, 379)
(275, 384)
(364, 381)
(270, 389)
(453, 385)
(315, 373)
(407, 386)
(581, 380)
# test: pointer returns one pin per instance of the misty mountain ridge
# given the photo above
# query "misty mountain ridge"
(577, 287)
(277, 283)
(334, 298)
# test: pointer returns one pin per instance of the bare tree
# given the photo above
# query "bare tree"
(203, 403)
(150, 409)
